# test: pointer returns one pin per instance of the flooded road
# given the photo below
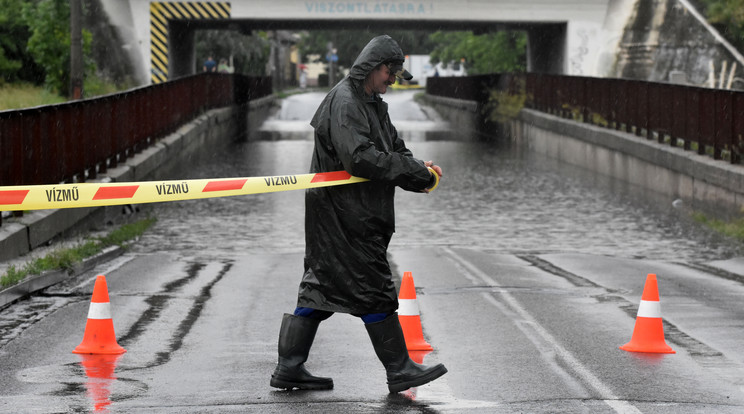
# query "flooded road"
(494, 196)
(528, 278)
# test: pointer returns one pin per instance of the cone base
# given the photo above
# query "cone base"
(109, 350)
(652, 349)
(648, 336)
(99, 338)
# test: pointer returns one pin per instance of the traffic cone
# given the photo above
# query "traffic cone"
(99, 337)
(648, 334)
(408, 315)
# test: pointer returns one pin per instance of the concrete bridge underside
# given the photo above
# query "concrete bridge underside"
(546, 41)
(577, 37)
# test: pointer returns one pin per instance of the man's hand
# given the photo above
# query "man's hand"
(436, 169)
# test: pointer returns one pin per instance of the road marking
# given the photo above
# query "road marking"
(104, 269)
(531, 327)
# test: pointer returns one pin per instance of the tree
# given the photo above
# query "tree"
(15, 62)
(9, 64)
(482, 54)
(728, 17)
(49, 44)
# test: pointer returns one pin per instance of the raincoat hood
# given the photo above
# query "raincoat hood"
(380, 49)
(348, 227)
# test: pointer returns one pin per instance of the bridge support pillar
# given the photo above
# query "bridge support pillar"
(546, 48)
(181, 50)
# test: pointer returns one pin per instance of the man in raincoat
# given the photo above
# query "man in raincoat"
(348, 228)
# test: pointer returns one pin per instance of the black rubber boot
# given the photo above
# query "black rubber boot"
(390, 346)
(295, 339)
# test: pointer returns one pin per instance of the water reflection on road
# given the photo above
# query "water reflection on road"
(494, 196)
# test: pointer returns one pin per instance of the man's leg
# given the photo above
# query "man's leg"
(390, 347)
(295, 339)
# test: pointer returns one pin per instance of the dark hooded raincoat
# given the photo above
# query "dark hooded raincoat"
(348, 227)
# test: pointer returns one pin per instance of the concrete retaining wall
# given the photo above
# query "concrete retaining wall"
(19, 236)
(464, 114)
(715, 187)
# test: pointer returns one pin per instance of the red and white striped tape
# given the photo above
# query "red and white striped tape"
(42, 197)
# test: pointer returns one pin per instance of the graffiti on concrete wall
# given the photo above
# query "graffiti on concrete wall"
(578, 56)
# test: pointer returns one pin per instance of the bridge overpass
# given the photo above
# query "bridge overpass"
(576, 37)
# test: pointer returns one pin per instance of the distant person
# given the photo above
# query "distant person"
(348, 228)
(223, 67)
(210, 65)
(303, 78)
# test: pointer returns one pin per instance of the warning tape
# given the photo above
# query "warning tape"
(43, 197)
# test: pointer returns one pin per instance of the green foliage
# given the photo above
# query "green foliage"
(23, 95)
(95, 86)
(49, 44)
(504, 106)
(497, 52)
(733, 228)
(66, 259)
(13, 38)
(728, 17)
(127, 232)
(8, 67)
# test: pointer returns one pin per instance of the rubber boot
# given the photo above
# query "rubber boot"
(295, 339)
(390, 346)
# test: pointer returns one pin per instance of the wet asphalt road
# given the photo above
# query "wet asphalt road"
(528, 276)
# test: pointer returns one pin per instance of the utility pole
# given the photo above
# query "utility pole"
(76, 49)
(332, 58)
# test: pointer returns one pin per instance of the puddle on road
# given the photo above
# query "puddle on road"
(100, 372)
(494, 196)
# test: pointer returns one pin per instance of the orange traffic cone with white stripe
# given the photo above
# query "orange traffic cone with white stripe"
(99, 337)
(409, 317)
(648, 334)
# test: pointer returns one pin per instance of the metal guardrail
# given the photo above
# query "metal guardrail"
(75, 141)
(709, 121)
(470, 88)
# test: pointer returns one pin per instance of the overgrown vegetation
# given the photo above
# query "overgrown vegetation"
(497, 52)
(728, 17)
(26, 95)
(734, 228)
(35, 50)
(66, 258)
(504, 106)
(49, 44)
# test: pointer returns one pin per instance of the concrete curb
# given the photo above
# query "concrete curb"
(40, 282)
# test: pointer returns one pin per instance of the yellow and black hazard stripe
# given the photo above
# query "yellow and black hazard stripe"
(161, 13)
